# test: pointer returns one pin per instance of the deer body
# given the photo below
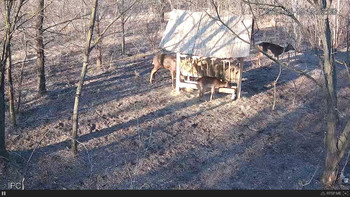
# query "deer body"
(275, 49)
(210, 82)
(164, 61)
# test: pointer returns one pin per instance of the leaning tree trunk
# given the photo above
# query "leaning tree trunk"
(40, 61)
(82, 77)
(332, 156)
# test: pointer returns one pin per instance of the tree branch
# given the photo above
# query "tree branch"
(66, 21)
(257, 48)
(344, 140)
(36, 13)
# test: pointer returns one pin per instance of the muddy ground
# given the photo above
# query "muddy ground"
(137, 135)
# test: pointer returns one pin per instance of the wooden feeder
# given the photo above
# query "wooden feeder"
(197, 36)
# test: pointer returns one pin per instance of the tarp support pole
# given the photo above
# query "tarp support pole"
(177, 84)
(239, 81)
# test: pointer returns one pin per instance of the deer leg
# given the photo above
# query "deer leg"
(200, 88)
(259, 57)
(172, 78)
(212, 93)
(200, 93)
(152, 74)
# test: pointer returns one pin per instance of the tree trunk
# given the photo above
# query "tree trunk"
(82, 77)
(5, 46)
(123, 34)
(8, 60)
(332, 156)
(99, 45)
(10, 88)
(162, 10)
(3, 151)
(21, 77)
(40, 61)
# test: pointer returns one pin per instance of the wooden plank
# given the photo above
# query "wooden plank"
(188, 85)
(227, 90)
(193, 82)
(231, 90)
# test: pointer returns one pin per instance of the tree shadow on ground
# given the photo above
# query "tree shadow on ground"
(98, 89)
(260, 79)
(194, 167)
(267, 157)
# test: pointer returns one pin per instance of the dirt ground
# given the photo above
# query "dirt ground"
(137, 135)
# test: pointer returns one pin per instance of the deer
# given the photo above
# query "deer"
(275, 49)
(210, 82)
(167, 61)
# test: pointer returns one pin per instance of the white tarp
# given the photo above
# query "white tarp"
(197, 34)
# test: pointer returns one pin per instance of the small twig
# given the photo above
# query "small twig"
(309, 181)
(30, 157)
(77, 17)
(346, 66)
(89, 157)
(274, 88)
(37, 145)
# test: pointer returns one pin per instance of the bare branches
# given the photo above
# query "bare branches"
(110, 24)
(285, 11)
(77, 17)
(218, 18)
(32, 16)
(345, 64)
(257, 48)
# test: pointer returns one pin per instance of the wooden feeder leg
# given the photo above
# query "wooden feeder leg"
(223, 70)
(177, 72)
(208, 70)
(239, 82)
(229, 71)
(233, 96)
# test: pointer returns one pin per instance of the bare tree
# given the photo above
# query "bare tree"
(124, 17)
(333, 155)
(9, 63)
(162, 10)
(40, 61)
(82, 75)
(10, 91)
(123, 20)
(89, 46)
(5, 46)
(99, 45)
(10, 26)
